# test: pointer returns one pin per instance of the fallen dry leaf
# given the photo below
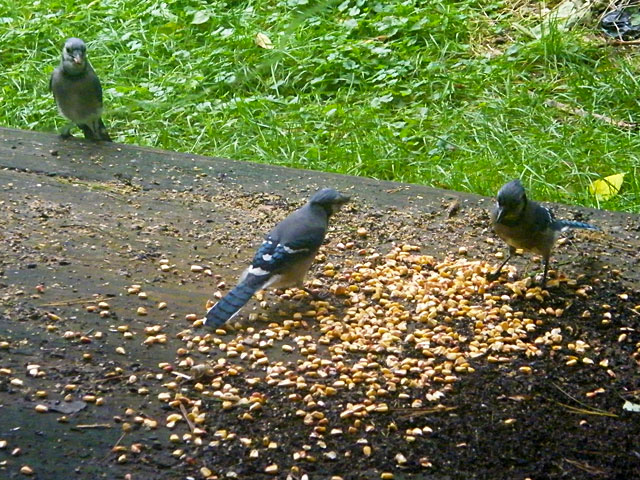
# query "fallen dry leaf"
(263, 41)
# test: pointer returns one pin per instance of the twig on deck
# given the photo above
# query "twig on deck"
(91, 426)
(588, 410)
(74, 302)
(633, 311)
(107, 379)
(585, 467)
(186, 417)
(182, 375)
(416, 412)
(585, 411)
(118, 442)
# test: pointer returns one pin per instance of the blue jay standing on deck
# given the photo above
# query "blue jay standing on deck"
(285, 256)
(526, 224)
(77, 91)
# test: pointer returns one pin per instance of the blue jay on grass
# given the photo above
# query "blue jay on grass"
(77, 91)
(526, 224)
(285, 256)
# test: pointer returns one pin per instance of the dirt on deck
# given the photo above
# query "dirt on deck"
(407, 363)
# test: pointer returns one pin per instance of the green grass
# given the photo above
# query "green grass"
(444, 93)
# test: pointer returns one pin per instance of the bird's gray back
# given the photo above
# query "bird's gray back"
(306, 226)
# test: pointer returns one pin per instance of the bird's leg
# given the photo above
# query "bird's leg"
(496, 273)
(88, 133)
(102, 131)
(546, 269)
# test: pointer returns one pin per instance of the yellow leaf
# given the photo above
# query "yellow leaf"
(607, 187)
(263, 41)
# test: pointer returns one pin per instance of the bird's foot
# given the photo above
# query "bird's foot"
(66, 132)
(546, 282)
(491, 276)
(88, 133)
(540, 281)
(317, 294)
(104, 136)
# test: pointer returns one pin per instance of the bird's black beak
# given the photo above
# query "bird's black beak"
(500, 214)
(344, 199)
(77, 59)
(339, 202)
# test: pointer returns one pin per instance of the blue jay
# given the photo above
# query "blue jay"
(285, 256)
(526, 224)
(77, 91)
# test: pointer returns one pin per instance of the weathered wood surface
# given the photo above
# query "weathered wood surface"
(83, 220)
(46, 154)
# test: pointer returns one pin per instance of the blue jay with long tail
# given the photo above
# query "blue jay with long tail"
(77, 91)
(285, 256)
(526, 224)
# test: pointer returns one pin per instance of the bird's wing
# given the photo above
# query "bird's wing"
(275, 255)
(94, 83)
(98, 89)
(56, 71)
(542, 218)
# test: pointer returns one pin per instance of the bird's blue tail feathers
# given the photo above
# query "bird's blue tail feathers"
(231, 303)
(567, 224)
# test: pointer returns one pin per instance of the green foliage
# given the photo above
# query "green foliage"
(445, 93)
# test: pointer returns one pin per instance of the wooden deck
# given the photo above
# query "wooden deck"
(82, 222)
